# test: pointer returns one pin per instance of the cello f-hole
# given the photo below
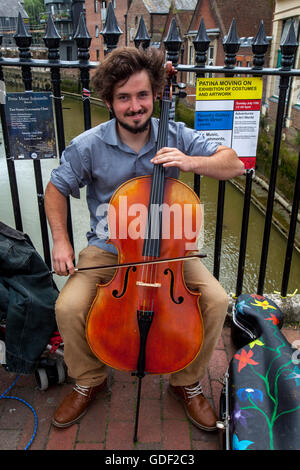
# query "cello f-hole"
(115, 292)
(180, 298)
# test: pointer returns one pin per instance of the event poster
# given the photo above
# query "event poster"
(31, 125)
(228, 112)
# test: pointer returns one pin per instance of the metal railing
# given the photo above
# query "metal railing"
(172, 44)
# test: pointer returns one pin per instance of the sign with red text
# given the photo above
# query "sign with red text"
(228, 113)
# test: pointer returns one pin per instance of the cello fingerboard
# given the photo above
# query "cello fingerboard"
(154, 223)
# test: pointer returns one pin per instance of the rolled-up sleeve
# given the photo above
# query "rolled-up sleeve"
(73, 172)
(195, 143)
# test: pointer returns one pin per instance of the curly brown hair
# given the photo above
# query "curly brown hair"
(123, 62)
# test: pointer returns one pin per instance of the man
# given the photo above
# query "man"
(102, 158)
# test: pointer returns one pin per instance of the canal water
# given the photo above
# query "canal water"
(73, 123)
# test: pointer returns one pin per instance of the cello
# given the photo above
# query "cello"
(145, 319)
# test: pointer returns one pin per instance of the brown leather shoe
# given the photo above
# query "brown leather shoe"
(75, 405)
(196, 406)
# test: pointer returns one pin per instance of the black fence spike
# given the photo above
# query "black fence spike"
(260, 45)
(232, 36)
(173, 43)
(142, 37)
(21, 28)
(111, 31)
(22, 36)
(23, 39)
(231, 45)
(201, 44)
(52, 39)
(288, 47)
(82, 33)
(83, 39)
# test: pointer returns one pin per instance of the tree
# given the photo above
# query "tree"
(33, 9)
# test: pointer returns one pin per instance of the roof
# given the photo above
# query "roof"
(247, 19)
(163, 6)
(11, 9)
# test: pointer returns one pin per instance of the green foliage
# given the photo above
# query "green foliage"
(287, 164)
(185, 114)
(33, 9)
(297, 139)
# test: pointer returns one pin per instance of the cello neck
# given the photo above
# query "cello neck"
(152, 240)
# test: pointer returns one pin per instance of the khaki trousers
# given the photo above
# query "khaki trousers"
(74, 302)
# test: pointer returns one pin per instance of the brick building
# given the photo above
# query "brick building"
(285, 11)
(94, 26)
(154, 12)
(183, 12)
(218, 18)
(96, 12)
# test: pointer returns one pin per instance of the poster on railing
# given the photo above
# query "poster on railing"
(31, 127)
(228, 111)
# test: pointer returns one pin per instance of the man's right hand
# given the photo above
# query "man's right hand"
(63, 257)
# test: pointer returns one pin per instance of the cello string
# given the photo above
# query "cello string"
(154, 221)
(155, 215)
(159, 191)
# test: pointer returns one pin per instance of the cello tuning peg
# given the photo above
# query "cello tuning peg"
(180, 85)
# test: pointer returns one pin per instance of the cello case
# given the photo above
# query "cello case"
(260, 400)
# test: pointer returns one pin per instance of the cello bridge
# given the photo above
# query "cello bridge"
(148, 284)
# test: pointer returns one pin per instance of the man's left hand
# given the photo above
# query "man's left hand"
(168, 156)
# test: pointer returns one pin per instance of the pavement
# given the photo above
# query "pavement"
(109, 423)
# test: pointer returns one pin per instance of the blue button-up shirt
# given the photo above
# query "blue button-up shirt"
(98, 159)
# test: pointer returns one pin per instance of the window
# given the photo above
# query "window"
(191, 76)
(96, 6)
(210, 55)
(69, 52)
(97, 31)
(103, 11)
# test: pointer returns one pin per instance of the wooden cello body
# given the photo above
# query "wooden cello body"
(157, 292)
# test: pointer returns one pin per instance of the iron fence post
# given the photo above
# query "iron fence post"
(172, 44)
(23, 41)
(52, 41)
(201, 45)
(9, 161)
(111, 33)
(288, 48)
(259, 49)
(83, 41)
(231, 45)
